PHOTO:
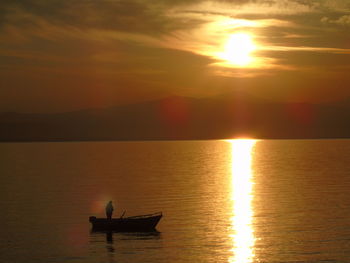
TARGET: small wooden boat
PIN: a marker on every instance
(143, 223)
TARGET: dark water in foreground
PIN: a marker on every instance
(238, 201)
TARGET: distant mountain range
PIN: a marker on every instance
(180, 118)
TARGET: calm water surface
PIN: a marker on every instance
(235, 201)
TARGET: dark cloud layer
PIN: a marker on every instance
(125, 15)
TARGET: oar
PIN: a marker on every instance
(123, 214)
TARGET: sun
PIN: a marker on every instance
(238, 50)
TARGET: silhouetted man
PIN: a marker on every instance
(109, 210)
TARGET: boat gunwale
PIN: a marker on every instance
(93, 219)
(144, 216)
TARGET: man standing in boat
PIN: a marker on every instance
(109, 210)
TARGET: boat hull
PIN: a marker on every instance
(145, 223)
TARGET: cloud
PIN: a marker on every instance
(199, 27)
(310, 49)
(343, 20)
(120, 15)
(244, 8)
(333, 5)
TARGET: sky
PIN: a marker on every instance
(58, 56)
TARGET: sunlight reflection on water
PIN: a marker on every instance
(242, 233)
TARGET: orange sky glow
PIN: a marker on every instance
(70, 55)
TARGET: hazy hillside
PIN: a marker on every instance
(182, 118)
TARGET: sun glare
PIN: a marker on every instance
(238, 49)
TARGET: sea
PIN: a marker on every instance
(235, 201)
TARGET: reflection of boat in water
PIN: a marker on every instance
(141, 223)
